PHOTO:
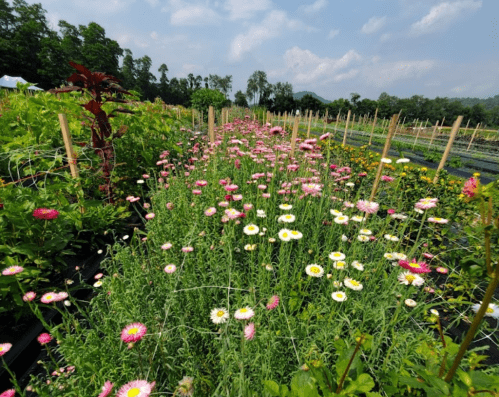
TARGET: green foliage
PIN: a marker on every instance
(205, 97)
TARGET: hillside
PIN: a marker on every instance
(301, 94)
(489, 103)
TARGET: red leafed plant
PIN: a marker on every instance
(101, 87)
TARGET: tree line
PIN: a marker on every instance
(31, 50)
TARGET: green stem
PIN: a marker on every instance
(340, 383)
(13, 378)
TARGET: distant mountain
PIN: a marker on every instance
(301, 94)
(489, 103)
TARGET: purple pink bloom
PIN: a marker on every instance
(44, 213)
(136, 388)
(44, 338)
(471, 187)
(414, 266)
(4, 348)
(29, 296)
(442, 270)
(369, 207)
(249, 331)
(133, 332)
(8, 393)
(273, 302)
(187, 249)
(106, 389)
(10, 271)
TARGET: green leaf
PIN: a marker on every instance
(272, 387)
(362, 384)
(302, 385)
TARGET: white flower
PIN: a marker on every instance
(337, 256)
(385, 160)
(340, 220)
(350, 184)
(403, 160)
(391, 237)
(285, 234)
(125, 237)
(99, 252)
(492, 310)
(337, 284)
(352, 284)
(219, 316)
(418, 211)
(261, 214)
(389, 256)
(340, 265)
(140, 181)
(339, 296)
(434, 312)
(250, 247)
(362, 238)
(286, 218)
(367, 232)
(399, 256)
(285, 207)
(296, 235)
(271, 240)
(358, 218)
(357, 265)
(399, 216)
(336, 213)
(314, 270)
(244, 314)
(67, 303)
(97, 284)
(410, 302)
(344, 238)
(408, 278)
(251, 230)
(269, 267)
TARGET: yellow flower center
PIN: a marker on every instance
(285, 235)
(336, 254)
(49, 297)
(243, 310)
(288, 216)
(315, 270)
(220, 313)
(133, 331)
(354, 283)
(251, 228)
(294, 232)
(489, 310)
(340, 264)
(133, 392)
(1, 348)
(339, 295)
(410, 278)
(413, 264)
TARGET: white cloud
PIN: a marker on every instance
(382, 75)
(442, 15)
(153, 3)
(53, 20)
(154, 35)
(308, 68)
(104, 7)
(272, 26)
(189, 68)
(244, 9)
(333, 33)
(373, 25)
(190, 15)
(384, 37)
(314, 7)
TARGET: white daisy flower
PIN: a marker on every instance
(357, 265)
(399, 256)
(314, 270)
(336, 212)
(337, 284)
(352, 284)
(219, 315)
(410, 302)
(385, 160)
(285, 234)
(244, 314)
(250, 247)
(435, 312)
(340, 265)
(350, 184)
(269, 267)
(339, 296)
(408, 278)
(344, 238)
(358, 218)
(391, 237)
(402, 217)
(363, 238)
(366, 232)
(251, 230)
(296, 235)
(389, 256)
(286, 218)
(337, 256)
(285, 207)
(492, 310)
(340, 220)
(261, 214)
(271, 240)
(97, 284)
(403, 160)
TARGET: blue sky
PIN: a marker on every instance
(332, 47)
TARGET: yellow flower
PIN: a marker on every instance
(406, 167)
(476, 174)
(403, 174)
(424, 169)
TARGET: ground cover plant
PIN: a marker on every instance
(260, 269)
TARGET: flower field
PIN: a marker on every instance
(262, 272)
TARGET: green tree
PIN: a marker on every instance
(71, 46)
(225, 85)
(310, 103)
(163, 81)
(7, 26)
(204, 98)
(257, 83)
(128, 71)
(240, 99)
(145, 79)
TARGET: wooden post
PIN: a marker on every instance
(279, 118)
(211, 122)
(398, 124)
(309, 122)
(192, 111)
(66, 135)
(384, 127)
(453, 133)
(346, 128)
(374, 124)
(473, 136)
(391, 132)
(466, 129)
(294, 135)
(433, 135)
(442, 122)
(353, 125)
(325, 117)
(417, 135)
(336, 124)
(285, 119)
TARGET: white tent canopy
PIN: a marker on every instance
(10, 82)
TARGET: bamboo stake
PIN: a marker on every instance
(374, 124)
(309, 122)
(346, 129)
(466, 129)
(336, 125)
(433, 135)
(417, 135)
(455, 129)
(384, 127)
(285, 119)
(473, 136)
(325, 117)
(353, 125)
(211, 122)
(294, 135)
(279, 119)
(391, 132)
(192, 118)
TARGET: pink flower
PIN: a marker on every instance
(187, 249)
(249, 331)
(369, 207)
(44, 338)
(222, 182)
(49, 297)
(10, 271)
(197, 192)
(425, 204)
(29, 296)
(237, 197)
(150, 215)
(4, 348)
(262, 187)
(247, 206)
(391, 211)
(166, 246)
(210, 211)
(106, 389)
(44, 213)
(414, 266)
(428, 255)
(305, 146)
(237, 163)
(387, 178)
(438, 220)
(362, 174)
(169, 206)
(133, 332)
(326, 135)
(137, 388)
(471, 187)
(170, 269)
(266, 195)
(442, 270)
(201, 183)
(273, 302)
(231, 188)
(8, 393)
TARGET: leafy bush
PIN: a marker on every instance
(205, 97)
